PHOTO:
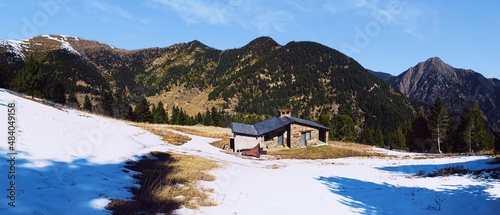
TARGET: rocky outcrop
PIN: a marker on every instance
(433, 78)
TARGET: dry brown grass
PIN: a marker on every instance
(207, 131)
(332, 150)
(164, 133)
(168, 182)
(187, 170)
(191, 168)
(204, 131)
(193, 101)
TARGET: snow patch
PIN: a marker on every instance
(15, 46)
(64, 43)
(99, 204)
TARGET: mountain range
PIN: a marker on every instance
(258, 78)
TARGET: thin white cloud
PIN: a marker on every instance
(414, 31)
(272, 21)
(269, 16)
(193, 11)
(250, 14)
(403, 15)
(110, 9)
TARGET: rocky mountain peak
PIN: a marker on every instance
(457, 87)
(436, 65)
(434, 61)
(432, 74)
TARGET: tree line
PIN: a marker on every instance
(438, 131)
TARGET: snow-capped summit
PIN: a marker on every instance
(16, 47)
(43, 43)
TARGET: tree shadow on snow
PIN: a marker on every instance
(366, 197)
(476, 166)
(51, 187)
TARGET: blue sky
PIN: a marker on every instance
(385, 35)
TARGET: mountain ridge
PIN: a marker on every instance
(433, 78)
(257, 78)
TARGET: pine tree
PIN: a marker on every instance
(159, 114)
(30, 79)
(420, 135)
(174, 119)
(397, 139)
(215, 117)
(106, 102)
(55, 91)
(199, 118)
(438, 122)
(472, 130)
(182, 117)
(207, 118)
(367, 136)
(450, 143)
(87, 105)
(343, 128)
(121, 108)
(379, 137)
(325, 120)
(6, 77)
(142, 112)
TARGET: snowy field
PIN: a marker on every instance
(69, 162)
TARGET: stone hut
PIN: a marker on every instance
(283, 131)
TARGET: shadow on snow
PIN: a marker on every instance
(367, 197)
(72, 188)
(419, 169)
(370, 198)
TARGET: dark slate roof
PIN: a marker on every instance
(246, 129)
(308, 123)
(271, 124)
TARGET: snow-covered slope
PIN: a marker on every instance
(69, 162)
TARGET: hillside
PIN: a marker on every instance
(457, 87)
(257, 78)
